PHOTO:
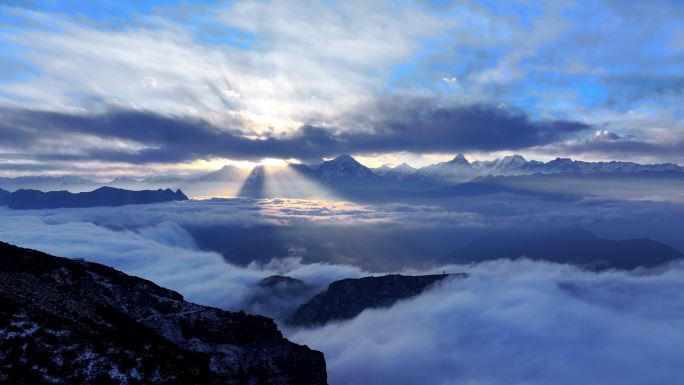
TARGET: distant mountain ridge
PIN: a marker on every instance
(399, 172)
(103, 196)
(455, 170)
(459, 169)
(346, 173)
(343, 169)
(46, 182)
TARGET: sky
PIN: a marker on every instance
(111, 88)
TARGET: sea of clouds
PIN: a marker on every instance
(509, 322)
(519, 322)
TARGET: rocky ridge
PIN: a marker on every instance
(347, 298)
(68, 321)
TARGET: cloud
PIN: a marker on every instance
(372, 237)
(516, 323)
(299, 59)
(395, 124)
(519, 322)
(609, 145)
(265, 69)
(160, 249)
(425, 125)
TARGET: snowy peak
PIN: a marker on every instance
(342, 163)
(254, 185)
(383, 170)
(460, 160)
(512, 161)
(404, 168)
(401, 169)
(454, 171)
(345, 158)
(397, 173)
(225, 173)
(344, 166)
(257, 174)
(508, 164)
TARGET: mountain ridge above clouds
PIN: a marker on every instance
(347, 298)
(68, 321)
(343, 168)
(103, 196)
(347, 173)
(47, 182)
(459, 169)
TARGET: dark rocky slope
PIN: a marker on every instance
(65, 321)
(347, 298)
(103, 196)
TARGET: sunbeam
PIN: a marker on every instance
(279, 180)
(286, 182)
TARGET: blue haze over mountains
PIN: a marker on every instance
(347, 173)
(570, 232)
(511, 200)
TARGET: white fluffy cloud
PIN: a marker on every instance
(162, 251)
(307, 60)
(519, 322)
(516, 323)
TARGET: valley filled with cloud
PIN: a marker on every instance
(520, 321)
(446, 192)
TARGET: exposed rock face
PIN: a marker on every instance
(347, 298)
(103, 196)
(65, 321)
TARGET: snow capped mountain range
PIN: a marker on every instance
(343, 169)
(459, 169)
(397, 173)
(346, 172)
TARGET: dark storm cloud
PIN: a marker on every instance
(396, 124)
(624, 148)
(421, 125)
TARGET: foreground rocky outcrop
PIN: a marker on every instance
(103, 196)
(65, 321)
(347, 298)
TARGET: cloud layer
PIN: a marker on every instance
(516, 323)
(320, 78)
(396, 124)
(519, 322)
